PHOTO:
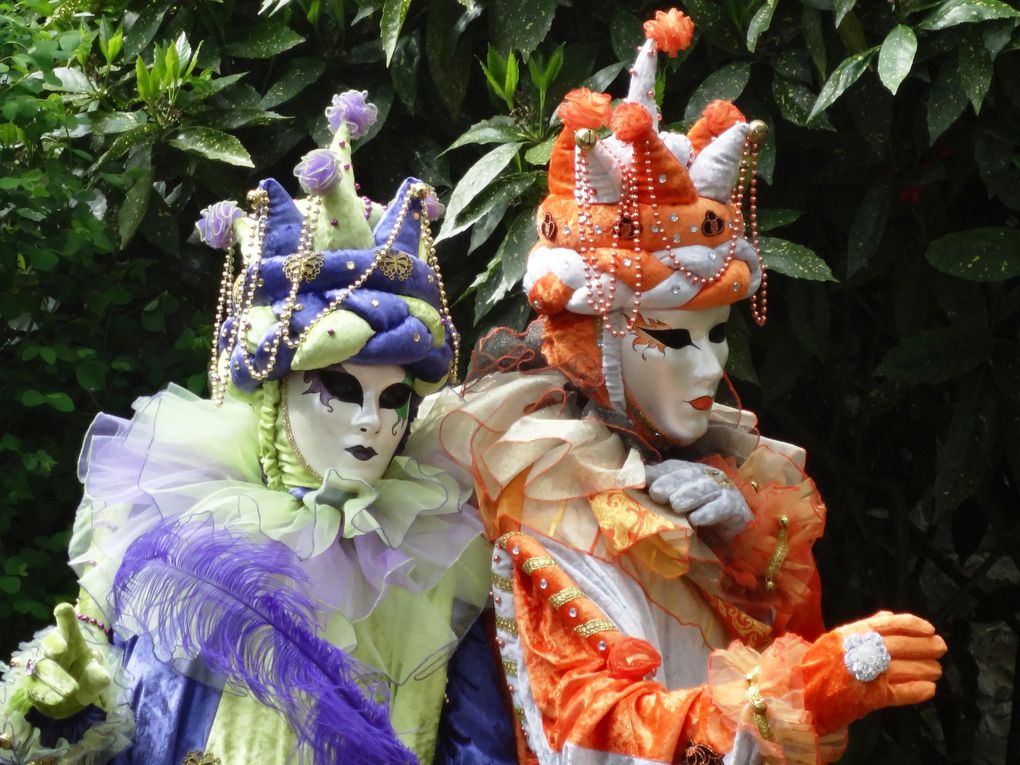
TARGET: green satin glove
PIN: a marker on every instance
(67, 676)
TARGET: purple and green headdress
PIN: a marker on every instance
(329, 278)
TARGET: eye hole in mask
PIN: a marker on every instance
(342, 386)
(395, 397)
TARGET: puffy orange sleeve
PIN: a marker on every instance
(585, 684)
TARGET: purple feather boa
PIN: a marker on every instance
(238, 605)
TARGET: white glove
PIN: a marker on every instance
(704, 494)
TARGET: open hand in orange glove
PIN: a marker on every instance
(886, 660)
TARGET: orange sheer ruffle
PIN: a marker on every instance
(718, 117)
(763, 694)
(583, 108)
(672, 31)
(774, 550)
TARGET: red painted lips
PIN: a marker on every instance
(702, 403)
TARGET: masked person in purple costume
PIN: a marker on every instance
(260, 575)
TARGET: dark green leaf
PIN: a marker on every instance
(474, 181)
(946, 101)
(144, 28)
(726, 83)
(70, 80)
(760, 22)
(739, 364)
(10, 584)
(91, 374)
(512, 257)
(842, 8)
(897, 56)
(603, 78)
(814, 38)
(935, 356)
(300, 73)
(160, 226)
(212, 144)
(625, 33)
(393, 15)
(448, 55)
(795, 100)
(404, 69)
(967, 455)
(520, 24)
(136, 202)
(773, 219)
(953, 12)
(263, 40)
(499, 193)
(843, 76)
(794, 260)
(974, 67)
(105, 123)
(980, 254)
(810, 317)
(540, 153)
(868, 225)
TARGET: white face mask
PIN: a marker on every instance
(348, 418)
(672, 363)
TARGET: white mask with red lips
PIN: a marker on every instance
(671, 365)
(349, 417)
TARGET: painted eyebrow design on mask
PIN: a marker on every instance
(670, 338)
(334, 384)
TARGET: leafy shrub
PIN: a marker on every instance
(890, 209)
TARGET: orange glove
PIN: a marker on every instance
(835, 697)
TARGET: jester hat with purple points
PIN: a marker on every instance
(330, 277)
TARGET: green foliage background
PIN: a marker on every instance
(891, 202)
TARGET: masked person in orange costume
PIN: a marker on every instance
(655, 595)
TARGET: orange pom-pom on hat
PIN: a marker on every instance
(631, 122)
(672, 31)
(582, 108)
(718, 117)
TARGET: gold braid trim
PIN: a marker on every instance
(594, 626)
(565, 595)
(534, 564)
(503, 583)
(758, 705)
(509, 668)
(508, 626)
(502, 539)
(779, 554)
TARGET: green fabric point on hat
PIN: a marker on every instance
(343, 205)
(428, 316)
(334, 339)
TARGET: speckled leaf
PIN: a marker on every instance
(160, 226)
(393, 14)
(953, 12)
(136, 202)
(760, 22)
(726, 83)
(794, 260)
(448, 53)
(777, 218)
(897, 56)
(946, 101)
(975, 66)
(499, 129)
(474, 181)
(604, 77)
(843, 76)
(301, 73)
(868, 225)
(520, 24)
(404, 69)
(263, 40)
(980, 254)
(740, 364)
(107, 123)
(540, 153)
(499, 193)
(795, 100)
(144, 29)
(625, 34)
(512, 256)
(814, 38)
(842, 8)
(212, 144)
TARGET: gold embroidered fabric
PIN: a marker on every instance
(502, 583)
(507, 625)
(534, 564)
(509, 668)
(594, 626)
(565, 595)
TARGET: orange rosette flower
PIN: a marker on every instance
(672, 31)
(630, 122)
(632, 658)
(582, 108)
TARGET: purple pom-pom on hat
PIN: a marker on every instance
(434, 209)
(215, 227)
(352, 107)
(318, 172)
